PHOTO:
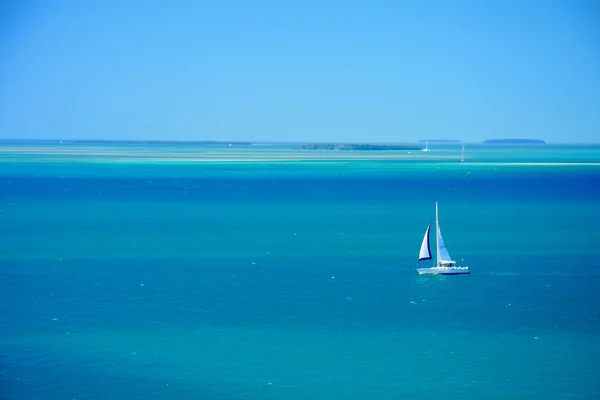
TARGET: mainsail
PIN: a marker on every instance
(425, 253)
(443, 254)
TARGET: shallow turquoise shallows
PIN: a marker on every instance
(271, 279)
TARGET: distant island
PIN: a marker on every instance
(439, 141)
(346, 146)
(514, 141)
(196, 142)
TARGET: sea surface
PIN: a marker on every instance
(265, 272)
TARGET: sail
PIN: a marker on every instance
(425, 253)
(443, 254)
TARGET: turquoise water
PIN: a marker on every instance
(295, 280)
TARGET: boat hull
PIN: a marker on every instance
(444, 271)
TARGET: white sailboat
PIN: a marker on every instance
(462, 155)
(444, 265)
(426, 146)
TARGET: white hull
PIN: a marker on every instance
(443, 271)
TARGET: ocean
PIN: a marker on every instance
(265, 272)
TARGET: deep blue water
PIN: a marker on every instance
(297, 280)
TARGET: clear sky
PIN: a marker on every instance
(310, 70)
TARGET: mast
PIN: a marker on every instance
(437, 234)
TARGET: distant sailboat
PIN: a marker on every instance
(443, 262)
(426, 146)
(462, 155)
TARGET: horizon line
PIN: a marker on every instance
(443, 141)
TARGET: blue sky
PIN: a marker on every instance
(371, 71)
